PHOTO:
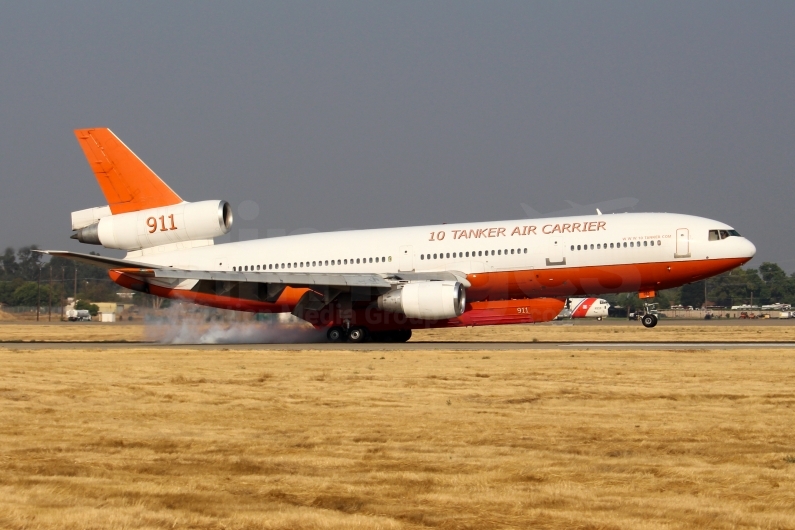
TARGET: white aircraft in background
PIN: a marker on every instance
(380, 284)
(624, 203)
(585, 308)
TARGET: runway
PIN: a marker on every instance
(409, 346)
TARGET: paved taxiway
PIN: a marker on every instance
(411, 346)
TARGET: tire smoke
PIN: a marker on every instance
(176, 325)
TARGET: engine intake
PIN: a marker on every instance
(188, 221)
(426, 300)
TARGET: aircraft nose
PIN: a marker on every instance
(748, 249)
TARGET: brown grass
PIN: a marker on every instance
(617, 331)
(149, 438)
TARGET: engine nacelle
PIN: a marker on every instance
(426, 300)
(187, 221)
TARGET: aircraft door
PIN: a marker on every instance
(555, 252)
(406, 259)
(682, 243)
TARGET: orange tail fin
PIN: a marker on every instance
(127, 183)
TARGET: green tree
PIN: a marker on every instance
(9, 260)
(93, 309)
(692, 294)
(28, 263)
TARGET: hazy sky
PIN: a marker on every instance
(339, 114)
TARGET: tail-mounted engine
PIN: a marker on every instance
(428, 300)
(187, 221)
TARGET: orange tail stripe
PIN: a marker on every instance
(127, 183)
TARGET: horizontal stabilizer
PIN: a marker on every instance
(97, 261)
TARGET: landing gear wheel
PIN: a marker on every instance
(335, 334)
(649, 321)
(403, 335)
(357, 334)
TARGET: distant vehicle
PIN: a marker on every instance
(748, 314)
(584, 308)
(776, 307)
(78, 315)
(786, 314)
(744, 307)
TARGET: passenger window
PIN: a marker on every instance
(346, 262)
(645, 243)
(525, 251)
(492, 252)
(376, 259)
(422, 256)
(467, 254)
(625, 244)
(511, 251)
(499, 252)
(572, 247)
(448, 255)
(598, 246)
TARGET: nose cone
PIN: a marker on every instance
(747, 249)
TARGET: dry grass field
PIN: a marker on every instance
(617, 331)
(178, 438)
(608, 331)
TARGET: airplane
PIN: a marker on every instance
(379, 284)
(585, 308)
(612, 205)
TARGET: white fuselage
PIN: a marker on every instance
(586, 241)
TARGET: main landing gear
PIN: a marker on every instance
(356, 334)
(649, 321)
(649, 318)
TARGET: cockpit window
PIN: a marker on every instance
(715, 235)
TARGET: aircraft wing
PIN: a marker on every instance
(308, 279)
(292, 279)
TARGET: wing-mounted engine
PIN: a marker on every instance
(430, 300)
(154, 227)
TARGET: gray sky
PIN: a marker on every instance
(339, 114)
